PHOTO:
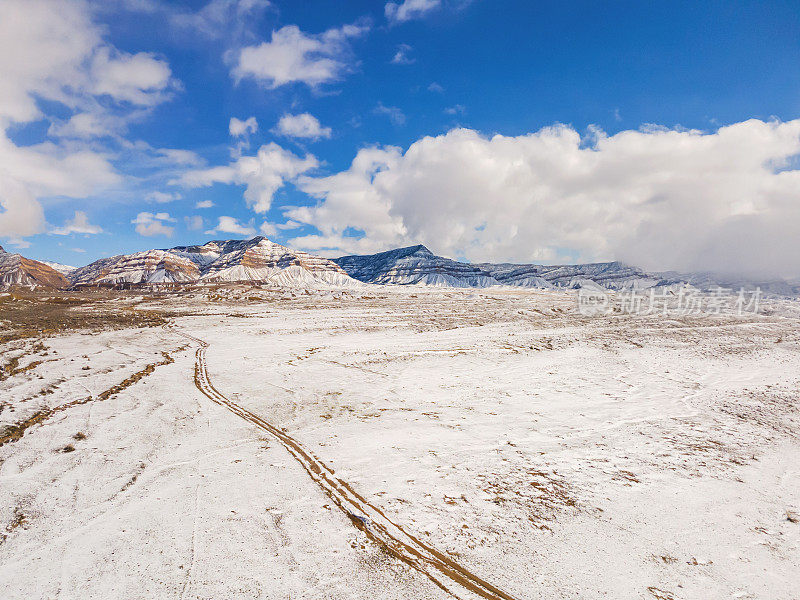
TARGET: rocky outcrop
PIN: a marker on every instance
(418, 265)
(255, 260)
(152, 266)
(415, 265)
(16, 270)
(610, 275)
(262, 260)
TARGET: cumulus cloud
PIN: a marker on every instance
(660, 198)
(238, 128)
(140, 79)
(204, 204)
(232, 225)
(409, 9)
(262, 174)
(303, 125)
(20, 214)
(294, 56)
(28, 173)
(51, 50)
(151, 225)
(78, 224)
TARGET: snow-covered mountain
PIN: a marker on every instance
(414, 265)
(63, 269)
(151, 266)
(254, 260)
(418, 265)
(260, 260)
(16, 270)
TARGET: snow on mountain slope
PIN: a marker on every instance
(610, 275)
(16, 270)
(151, 266)
(63, 269)
(260, 259)
(254, 260)
(414, 265)
(418, 265)
(517, 275)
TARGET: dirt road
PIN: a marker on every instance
(437, 566)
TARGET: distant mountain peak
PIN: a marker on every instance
(419, 249)
(2, 250)
(257, 259)
(16, 270)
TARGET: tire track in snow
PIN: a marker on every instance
(437, 566)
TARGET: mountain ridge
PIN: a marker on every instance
(254, 260)
(260, 260)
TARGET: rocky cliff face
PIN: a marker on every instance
(260, 259)
(255, 260)
(16, 270)
(414, 265)
(152, 266)
(418, 265)
(610, 275)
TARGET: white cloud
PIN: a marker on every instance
(238, 128)
(289, 225)
(51, 50)
(140, 79)
(263, 174)
(293, 56)
(204, 204)
(150, 225)
(87, 125)
(41, 170)
(303, 125)
(268, 229)
(180, 157)
(435, 87)
(78, 224)
(401, 57)
(396, 115)
(231, 225)
(221, 18)
(194, 222)
(163, 197)
(409, 9)
(660, 198)
(20, 214)
(19, 243)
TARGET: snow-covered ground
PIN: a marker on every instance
(549, 454)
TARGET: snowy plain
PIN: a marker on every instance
(551, 454)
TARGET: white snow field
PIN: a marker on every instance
(402, 443)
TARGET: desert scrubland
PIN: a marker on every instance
(230, 442)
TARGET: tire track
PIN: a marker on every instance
(15, 431)
(437, 566)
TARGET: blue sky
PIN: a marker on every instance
(582, 89)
